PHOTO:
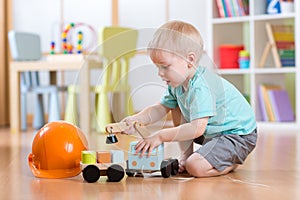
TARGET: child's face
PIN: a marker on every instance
(174, 70)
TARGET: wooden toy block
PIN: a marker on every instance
(88, 157)
(103, 157)
(117, 156)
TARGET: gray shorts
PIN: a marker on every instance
(226, 150)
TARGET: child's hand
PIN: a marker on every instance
(130, 123)
(147, 145)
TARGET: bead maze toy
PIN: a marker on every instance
(112, 164)
(67, 40)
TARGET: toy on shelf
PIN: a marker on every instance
(112, 164)
(271, 45)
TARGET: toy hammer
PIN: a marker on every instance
(113, 128)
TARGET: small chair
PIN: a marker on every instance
(117, 45)
(26, 46)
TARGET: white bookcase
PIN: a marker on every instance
(250, 31)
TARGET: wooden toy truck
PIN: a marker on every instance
(112, 163)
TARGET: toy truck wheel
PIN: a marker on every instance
(130, 173)
(115, 173)
(174, 166)
(91, 173)
(166, 168)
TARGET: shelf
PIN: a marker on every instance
(233, 71)
(230, 20)
(275, 70)
(273, 17)
(265, 17)
(283, 70)
(250, 31)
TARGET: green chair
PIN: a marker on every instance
(117, 45)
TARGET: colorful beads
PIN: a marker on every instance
(67, 46)
(79, 42)
(52, 49)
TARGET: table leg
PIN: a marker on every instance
(85, 99)
(14, 98)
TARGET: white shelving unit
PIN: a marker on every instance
(250, 31)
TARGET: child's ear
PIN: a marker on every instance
(191, 58)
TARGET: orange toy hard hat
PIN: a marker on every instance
(56, 150)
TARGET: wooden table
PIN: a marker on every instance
(53, 64)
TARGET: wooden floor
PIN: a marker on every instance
(271, 172)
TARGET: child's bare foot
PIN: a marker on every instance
(181, 168)
(182, 161)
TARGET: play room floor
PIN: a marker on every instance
(271, 172)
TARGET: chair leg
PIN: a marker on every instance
(93, 114)
(71, 114)
(122, 105)
(128, 104)
(102, 109)
(117, 107)
(23, 112)
(54, 109)
(38, 117)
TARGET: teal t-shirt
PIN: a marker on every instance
(209, 95)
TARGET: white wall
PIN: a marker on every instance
(44, 19)
(147, 16)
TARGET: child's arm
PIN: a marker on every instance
(187, 131)
(147, 116)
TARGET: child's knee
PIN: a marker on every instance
(197, 166)
(195, 170)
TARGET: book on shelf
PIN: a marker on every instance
(275, 104)
(232, 8)
(285, 44)
(220, 8)
(281, 105)
(265, 103)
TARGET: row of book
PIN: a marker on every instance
(281, 39)
(275, 104)
(232, 8)
(285, 43)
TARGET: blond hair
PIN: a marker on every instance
(178, 38)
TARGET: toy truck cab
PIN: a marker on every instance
(145, 163)
(154, 162)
